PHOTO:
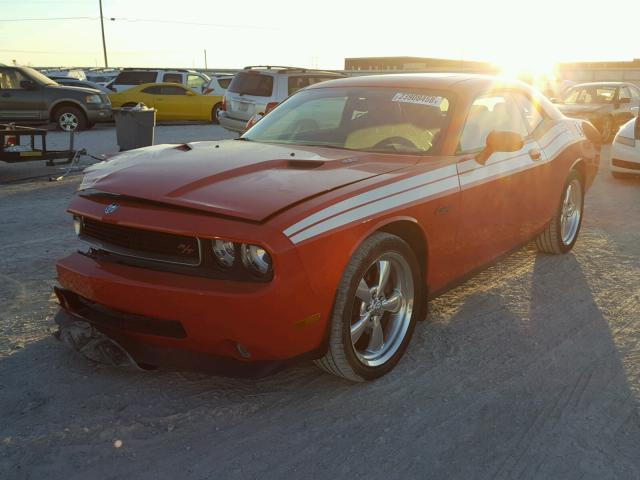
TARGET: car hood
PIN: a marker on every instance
(582, 109)
(248, 180)
(68, 88)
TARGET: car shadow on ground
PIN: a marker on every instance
(519, 373)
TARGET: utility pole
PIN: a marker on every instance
(104, 44)
(205, 59)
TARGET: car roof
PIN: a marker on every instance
(604, 84)
(436, 81)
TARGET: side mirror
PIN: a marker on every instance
(499, 141)
(553, 100)
(634, 111)
(28, 84)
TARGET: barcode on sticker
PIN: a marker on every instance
(416, 98)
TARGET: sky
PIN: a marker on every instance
(512, 34)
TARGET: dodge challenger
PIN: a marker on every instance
(321, 232)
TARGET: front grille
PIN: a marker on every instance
(623, 164)
(144, 244)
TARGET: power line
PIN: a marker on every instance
(137, 20)
(45, 19)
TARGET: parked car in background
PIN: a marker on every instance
(625, 151)
(607, 105)
(102, 77)
(131, 77)
(74, 82)
(217, 87)
(321, 232)
(258, 89)
(173, 101)
(27, 95)
(76, 73)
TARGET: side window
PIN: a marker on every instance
(173, 90)
(195, 81)
(172, 78)
(635, 93)
(532, 115)
(296, 83)
(224, 82)
(624, 93)
(155, 90)
(10, 79)
(135, 78)
(488, 113)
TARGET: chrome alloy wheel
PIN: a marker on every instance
(571, 211)
(382, 309)
(68, 121)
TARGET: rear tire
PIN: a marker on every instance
(562, 232)
(70, 119)
(214, 113)
(377, 304)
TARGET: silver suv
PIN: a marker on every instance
(258, 89)
(131, 77)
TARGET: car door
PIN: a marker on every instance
(178, 103)
(18, 102)
(495, 196)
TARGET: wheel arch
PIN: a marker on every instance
(409, 230)
(580, 166)
(65, 103)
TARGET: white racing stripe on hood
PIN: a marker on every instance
(365, 211)
(375, 194)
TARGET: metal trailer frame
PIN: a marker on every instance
(17, 131)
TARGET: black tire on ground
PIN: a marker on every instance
(341, 359)
(550, 240)
(69, 118)
(214, 113)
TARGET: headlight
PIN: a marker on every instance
(225, 253)
(93, 99)
(77, 225)
(626, 141)
(256, 259)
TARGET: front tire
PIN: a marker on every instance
(377, 304)
(70, 119)
(562, 232)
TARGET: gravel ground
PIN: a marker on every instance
(529, 370)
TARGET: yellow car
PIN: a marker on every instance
(172, 101)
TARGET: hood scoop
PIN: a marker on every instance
(304, 164)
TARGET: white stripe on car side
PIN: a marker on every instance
(420, 193)
(375, 194)
(430, 185)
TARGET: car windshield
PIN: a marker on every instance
(596, 94)
(39, 77)
(387, 120)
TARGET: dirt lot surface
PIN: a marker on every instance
(529, 370)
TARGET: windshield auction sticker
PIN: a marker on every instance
(417, 99)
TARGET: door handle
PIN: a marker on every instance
(535, 154)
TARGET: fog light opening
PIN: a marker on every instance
(242, 350)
